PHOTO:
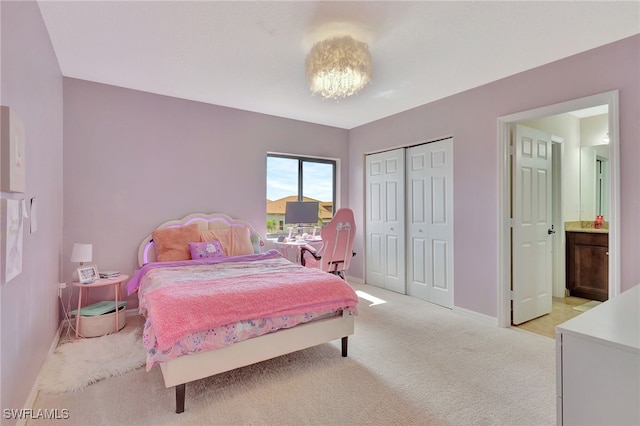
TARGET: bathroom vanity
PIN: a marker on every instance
(587, 263)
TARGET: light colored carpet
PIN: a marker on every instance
(586, 306)
(410, 363)
(75, 365)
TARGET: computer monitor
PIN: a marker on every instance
(301, 212)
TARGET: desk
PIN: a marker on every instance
(100, 283)
(291, 249)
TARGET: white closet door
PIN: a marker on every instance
(429, 170)
(374, 273)
(385, 227)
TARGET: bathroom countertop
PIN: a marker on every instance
(585, 226)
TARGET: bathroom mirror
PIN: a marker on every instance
(594, 182)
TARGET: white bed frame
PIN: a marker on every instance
(178, 372)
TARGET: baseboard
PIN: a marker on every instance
(132, 312)
(486, 319)
(31, 399)
(476, 316)
(349, 278)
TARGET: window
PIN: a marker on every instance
(291, 178)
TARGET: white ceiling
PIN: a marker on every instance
(250, 55)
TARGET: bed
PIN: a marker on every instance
(223, 302)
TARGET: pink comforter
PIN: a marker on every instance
(190, 306)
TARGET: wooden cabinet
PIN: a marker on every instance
(588, 265)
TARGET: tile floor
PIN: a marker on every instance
(562, 310)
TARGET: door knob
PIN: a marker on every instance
(551, 230)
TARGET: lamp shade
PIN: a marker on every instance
(81, 253)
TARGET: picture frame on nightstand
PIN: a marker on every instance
(88, 274)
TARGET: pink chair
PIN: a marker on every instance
(337, 245)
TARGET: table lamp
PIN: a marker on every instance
(81, 253)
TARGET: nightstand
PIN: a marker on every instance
(84, 288)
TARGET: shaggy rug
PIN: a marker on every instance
(75, 365)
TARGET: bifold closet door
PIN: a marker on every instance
(429, 223)
(385, 227)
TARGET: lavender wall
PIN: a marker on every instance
(471, 118)
(31, 84)
(133, 160)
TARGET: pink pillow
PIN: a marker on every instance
(235, 241)
(173, 243)
(206, 249)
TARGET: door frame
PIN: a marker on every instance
(504, 192)
(559, 271)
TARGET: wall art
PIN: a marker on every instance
(12, 234)
(12, 151)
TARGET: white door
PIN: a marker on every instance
(385, 238)
(532, 224)
(430, 222)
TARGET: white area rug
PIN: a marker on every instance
(586, 306)
(75, 365)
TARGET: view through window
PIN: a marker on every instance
(291, 178)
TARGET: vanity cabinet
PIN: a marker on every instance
(588, 265)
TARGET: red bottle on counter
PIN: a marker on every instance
(597, 224)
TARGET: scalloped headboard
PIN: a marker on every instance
(147, 252)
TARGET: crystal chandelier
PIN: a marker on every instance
(338, 67)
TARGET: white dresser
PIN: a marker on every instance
(598, 364)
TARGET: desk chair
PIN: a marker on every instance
(337, 245)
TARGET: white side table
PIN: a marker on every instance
(99, 283)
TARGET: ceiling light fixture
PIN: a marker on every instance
(338, 67)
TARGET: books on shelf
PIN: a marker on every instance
(109, 274)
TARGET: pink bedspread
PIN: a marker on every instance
(206, 301)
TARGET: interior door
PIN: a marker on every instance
(385, 250)
(430, 222)
(532, 224)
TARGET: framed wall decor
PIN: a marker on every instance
(11, 224)
(12, 151)
(88, 274)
